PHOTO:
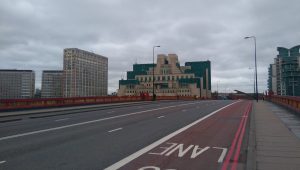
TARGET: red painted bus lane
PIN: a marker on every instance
(237, 142)
(202, 146)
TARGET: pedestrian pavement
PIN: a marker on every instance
(272, 142)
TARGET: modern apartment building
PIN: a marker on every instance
(85, 73)
(272, 81)
(52, 81)
(17, 84)
(170, 79)
(284, 74)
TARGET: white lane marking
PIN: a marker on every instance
(115, 130)
(2, 162)
(160, 117)
(224, 151)
(183, 110)
(153, 168)
(135, 155)
(87, 122)
(58, 120)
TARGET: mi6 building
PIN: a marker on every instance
(85, 73)
(17, 84)
(170, 79)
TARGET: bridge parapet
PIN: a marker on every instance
(13, 104)
(291, 102)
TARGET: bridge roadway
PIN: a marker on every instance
(151, 135)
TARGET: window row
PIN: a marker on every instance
(163, 78)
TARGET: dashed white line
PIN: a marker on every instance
(160, 117)
(2, 162)
(87, 122)
(115, 130)
(59, 120)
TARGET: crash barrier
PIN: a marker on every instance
(9, 104)
(13, 104)
(290, 102)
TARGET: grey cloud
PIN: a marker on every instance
(35, 32)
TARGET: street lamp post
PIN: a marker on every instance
(218, 87)
(153, 94)
(254, 92)
(254, 38)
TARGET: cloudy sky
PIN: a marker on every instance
(33, 34)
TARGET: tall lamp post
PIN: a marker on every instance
(153, 94)
(254, 92)
(254, 38)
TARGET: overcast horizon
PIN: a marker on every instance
(35, 32)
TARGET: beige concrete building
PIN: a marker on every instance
(17, 84)
(85, 73)
(170, 79)
(52, 81)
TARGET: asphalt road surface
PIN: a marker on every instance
(123, 137)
